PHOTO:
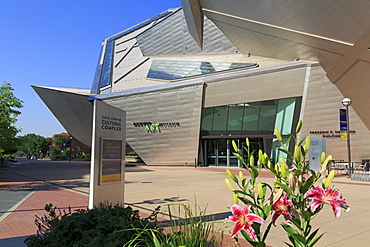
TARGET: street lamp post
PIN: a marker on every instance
(347, 102)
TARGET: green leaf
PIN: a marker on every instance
(266, 231)
(248, 238)
(306, 185)
(306, 215)
(285, 188)
(289, 229)
(316, 240)
(240, 158)
(285, 151)
(155, 240)
(288, 244)
(312, 235)
(300, 238)
(254, 173)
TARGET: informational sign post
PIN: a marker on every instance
(318, 145)
(343, 123)
(107, 155)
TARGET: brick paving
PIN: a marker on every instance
(21, 221)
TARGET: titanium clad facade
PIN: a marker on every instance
(72, 109)
(320, 113)
(163, 126)
(195, 78)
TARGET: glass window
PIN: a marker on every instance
(235, 119)
(206, 124)
(250, 118)
(107, 65)
(266, 122)
(172, 70)
(284, 115)
(219, 120)
(275, 153)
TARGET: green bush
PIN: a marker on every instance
(109, 226)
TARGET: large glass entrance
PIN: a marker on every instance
(219, 152)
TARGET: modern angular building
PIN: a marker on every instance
(193, 79)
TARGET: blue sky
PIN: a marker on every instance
(57, 43)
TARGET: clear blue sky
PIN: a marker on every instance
(57, 43)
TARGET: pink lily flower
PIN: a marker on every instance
(327, 196)
(281, 207)
(243, 220)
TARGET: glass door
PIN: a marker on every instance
(255, 145)
(222, 155)
(219, 152)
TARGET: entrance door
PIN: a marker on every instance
(219, 152)
(255, 145)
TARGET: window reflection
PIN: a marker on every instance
(254, 118)
(172, 70)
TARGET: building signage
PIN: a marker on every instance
(156, 128)
(318, 145)
(330, 133)
(111, 161)
(343, 123)
(111, 123)
(107, 155)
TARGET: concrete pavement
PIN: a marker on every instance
(148, 187)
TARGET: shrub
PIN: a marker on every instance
(108, 226)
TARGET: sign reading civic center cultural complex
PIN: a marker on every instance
(107, 155)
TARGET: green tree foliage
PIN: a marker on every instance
(9, 105)
(59, 146)
(32, 145)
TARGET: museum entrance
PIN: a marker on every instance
(219, 152)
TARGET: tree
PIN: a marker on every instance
(32, 145)
(60, 146)
(9, 105)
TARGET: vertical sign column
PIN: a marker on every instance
(343, 124)
(107, 155)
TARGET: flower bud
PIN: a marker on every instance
(278, 135)
(228, 183)
(231, 175)
(299, 126)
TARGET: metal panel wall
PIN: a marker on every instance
(173, 144)
(171, 37)
(275, 82)
(72, 109)
(321, 113)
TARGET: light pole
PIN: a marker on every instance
(347, 102)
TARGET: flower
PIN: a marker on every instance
(327, 196)
(243, 220)
(281, 207)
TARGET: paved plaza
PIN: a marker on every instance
(26, 186)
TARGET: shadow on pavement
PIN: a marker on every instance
(13, 242)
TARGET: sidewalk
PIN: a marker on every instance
(148, 187)
(19, 221)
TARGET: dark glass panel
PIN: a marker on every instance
(211, 152)
(267, 117)
(235, 119)
(250, 118)
(219, 120)
(222, 152)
